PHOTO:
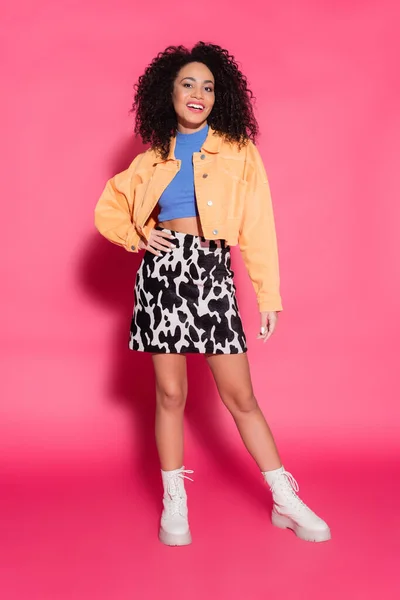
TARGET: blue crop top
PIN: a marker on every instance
(178, 199)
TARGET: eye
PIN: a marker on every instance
(209, 89)
(187, 83)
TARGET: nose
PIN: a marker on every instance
(197, 93)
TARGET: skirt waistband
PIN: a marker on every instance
(189, 240)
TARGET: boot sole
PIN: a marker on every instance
(175, 539)
(304, 534)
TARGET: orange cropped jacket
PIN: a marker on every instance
(233, 199)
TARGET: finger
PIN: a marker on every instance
(155, 244)
(152, 250)
(161, 242)
(163, 233)
(271, 329)
(161, 238)
(263, 325)
(268, 335)
(268, 323)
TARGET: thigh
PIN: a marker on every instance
(232, 376)
(171, 373)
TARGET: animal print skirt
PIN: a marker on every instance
(185, 300)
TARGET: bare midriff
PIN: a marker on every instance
(190, 225)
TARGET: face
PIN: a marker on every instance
(193, 96)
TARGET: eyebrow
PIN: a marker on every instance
(193, 79)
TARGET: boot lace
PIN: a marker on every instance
(176, 504)
(290, 484)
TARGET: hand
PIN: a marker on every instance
(158, 240)
(269, 320)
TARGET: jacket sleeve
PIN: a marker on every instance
(113, 214)
(257, 235)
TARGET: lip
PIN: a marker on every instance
(194, 110)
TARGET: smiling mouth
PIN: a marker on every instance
(195, 107)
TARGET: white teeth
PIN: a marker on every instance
(196, 106)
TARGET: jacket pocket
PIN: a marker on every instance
(235, 190)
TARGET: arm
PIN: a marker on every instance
(257, 235)
(114, 210)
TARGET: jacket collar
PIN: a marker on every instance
(212, 144)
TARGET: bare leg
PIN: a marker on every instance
(171, 394)
(232, 377)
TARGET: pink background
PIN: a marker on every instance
(81, 491)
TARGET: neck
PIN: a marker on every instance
(190, 128)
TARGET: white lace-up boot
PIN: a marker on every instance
(174, 528)
(290, 512)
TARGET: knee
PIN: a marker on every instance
(241, 403)
(172, 399)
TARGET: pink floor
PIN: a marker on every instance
(79, 537)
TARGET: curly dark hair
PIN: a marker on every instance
(232, 114)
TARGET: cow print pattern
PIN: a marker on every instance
(185, 300)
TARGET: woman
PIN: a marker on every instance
(200, 188)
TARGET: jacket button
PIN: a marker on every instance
(215, 231)
(202, 156)
(205, 175)
(133, 247)
(209, 203)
